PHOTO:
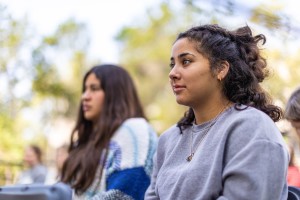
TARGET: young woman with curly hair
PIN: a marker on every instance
(226, 146)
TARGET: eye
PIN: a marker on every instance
(186, 62)
(172, 65)
(95, 88)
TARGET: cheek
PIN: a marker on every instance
(100, 101)
(296, 124)
(202, 83)
(298, 130)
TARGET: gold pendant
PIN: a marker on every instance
(190, 157)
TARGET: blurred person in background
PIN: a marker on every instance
(293, 176)
(112, 144)
(54, 173)
(36, 172)
(292, 114)
(292, 110)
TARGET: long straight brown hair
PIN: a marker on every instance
(89, 141)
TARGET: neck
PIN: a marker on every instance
(210, 110)
(32, 165)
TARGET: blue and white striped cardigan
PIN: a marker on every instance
(128, 165)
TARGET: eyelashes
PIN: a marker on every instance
(92, 88)
(171, 65)
(184, 63)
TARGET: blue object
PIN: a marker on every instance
(133, 182)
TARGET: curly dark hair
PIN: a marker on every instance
(246, 71)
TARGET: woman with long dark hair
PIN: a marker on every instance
(226, 146)
(112, 144)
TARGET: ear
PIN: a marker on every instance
(222, 71)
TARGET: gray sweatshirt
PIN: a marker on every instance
(242, 157)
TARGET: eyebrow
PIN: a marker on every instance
(93, 85)
(182, 55)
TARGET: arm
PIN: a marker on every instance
(125, 184)
(158, 160)
(257, 171)
(129, 163)
(150, 193)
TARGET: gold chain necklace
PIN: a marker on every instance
(190, 157)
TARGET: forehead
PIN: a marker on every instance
(29, 151)
(183, 45)
(92, 79)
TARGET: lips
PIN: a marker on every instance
(178, 88)
(86, 108)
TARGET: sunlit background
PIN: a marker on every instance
(47, 46)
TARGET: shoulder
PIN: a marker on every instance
(167, 139)
(132, 122)
(250, 114)
(133, 143)
(253, 122)
(251, 131)
(250, 125)
(134, 130)
(171, 133)
(134, 125)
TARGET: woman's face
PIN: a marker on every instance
(92, 98)
(296, 125)
(191, 78)
(30, 157)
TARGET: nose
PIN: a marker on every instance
(174, 74)
(85, 95)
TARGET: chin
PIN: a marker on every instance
(88, 118)
(182, 102)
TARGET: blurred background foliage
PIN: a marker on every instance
(40, 75)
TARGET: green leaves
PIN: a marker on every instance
(146, 46)
(52, 66)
